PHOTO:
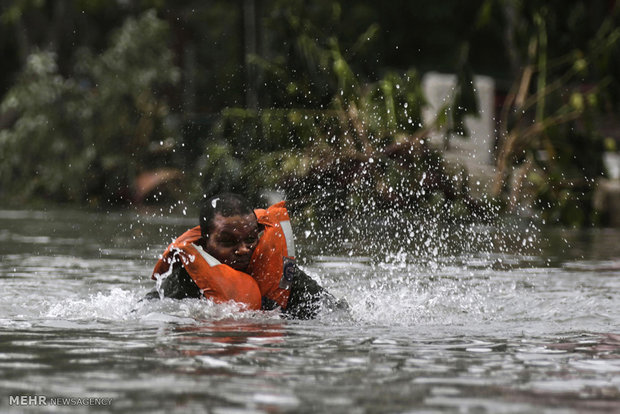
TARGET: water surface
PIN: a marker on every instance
(473, 319)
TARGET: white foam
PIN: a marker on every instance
(125, 305)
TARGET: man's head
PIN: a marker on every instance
(229, 228)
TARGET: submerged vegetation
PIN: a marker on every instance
(318, 101)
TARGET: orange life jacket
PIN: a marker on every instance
(271, 266)
(216, 281)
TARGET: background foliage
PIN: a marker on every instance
(83, 138)
(319, 99)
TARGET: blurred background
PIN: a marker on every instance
(465, 110)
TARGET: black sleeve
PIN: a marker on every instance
(308, 298)
(178, 285)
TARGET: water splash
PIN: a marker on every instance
(118, 304)
(128, 305)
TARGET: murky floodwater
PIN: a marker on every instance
(474, 320)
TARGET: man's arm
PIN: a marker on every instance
(178, 285)
(308, 298)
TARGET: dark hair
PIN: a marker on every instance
(226, 205)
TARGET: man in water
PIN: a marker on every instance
(231, 233)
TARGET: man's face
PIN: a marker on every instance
(233, 240)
